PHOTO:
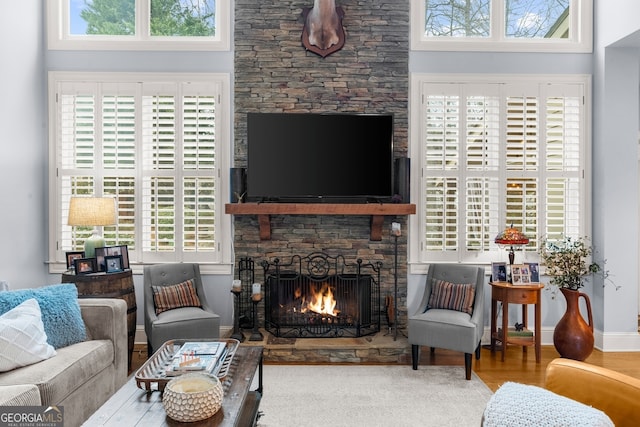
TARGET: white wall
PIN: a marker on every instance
(615, 195)
(615, 69)
(500, 63)
(22, 140)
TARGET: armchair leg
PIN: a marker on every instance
(467, 365)
(415, 355)
(478, 348)
(149, 350)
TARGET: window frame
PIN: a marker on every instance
(58, 36)
(218, 261)
(579, 42)
(419, 259)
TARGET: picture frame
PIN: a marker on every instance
(71, 256)
(85, 265)
(106, 251)
(123, 251)
(520, 274)
(100, 254)
(498, 271)
(534, 271)
(113, 263)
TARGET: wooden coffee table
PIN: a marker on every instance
(132, 406)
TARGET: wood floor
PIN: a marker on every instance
(522, 367)
(518, 366)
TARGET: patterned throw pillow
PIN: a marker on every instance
(22, 337)
(452, 296)
(175, 296)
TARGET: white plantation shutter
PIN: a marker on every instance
(495, 154)
(151, 145)
(159, 211)
(160, 174)
(198, 225)
(563, 156)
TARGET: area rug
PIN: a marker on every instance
(370, 395)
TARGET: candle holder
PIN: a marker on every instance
(237, 333)
(256, 335)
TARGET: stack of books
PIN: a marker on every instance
(206, 357)
(511, 332)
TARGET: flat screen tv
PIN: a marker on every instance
(306, 157)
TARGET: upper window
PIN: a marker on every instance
(512, 151)
(157, 144)
(502, 25)
(138, 24)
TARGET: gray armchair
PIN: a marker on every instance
(187, 322)
(444, 327)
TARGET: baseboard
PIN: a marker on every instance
(617, 341)
(141, 337)
(605, 342)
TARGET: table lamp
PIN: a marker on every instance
(92, 211)
(511, 237)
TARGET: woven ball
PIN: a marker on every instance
(192, 397)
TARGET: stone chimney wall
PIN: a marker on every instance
(275, 73)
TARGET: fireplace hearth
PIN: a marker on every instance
(321, 296)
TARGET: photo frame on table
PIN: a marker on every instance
(106, 251)
(520, 274)
(498, 271)
(85, 265)
(113, 263)
(534, 271)
(71, 256)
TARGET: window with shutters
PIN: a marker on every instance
(493, 152)
(139, 25)
(502, 25)
(156, 144)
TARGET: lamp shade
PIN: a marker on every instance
(511, 236)
(92, 211)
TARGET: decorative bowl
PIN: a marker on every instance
(192, 397)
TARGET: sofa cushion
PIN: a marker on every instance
(175, 296)
(452, 296)
(516, 404)
(19, 395)
(60, 311)
(22, 338)
(59, 376)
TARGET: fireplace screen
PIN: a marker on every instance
(321, 296)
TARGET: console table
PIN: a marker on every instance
(515, 294)
(377, 211)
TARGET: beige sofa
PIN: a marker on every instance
(82, 376)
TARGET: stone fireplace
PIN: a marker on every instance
(274, 73)
(321, 296)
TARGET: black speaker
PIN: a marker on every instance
(401, 180)
(238, 184)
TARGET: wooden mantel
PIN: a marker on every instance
(263, 210)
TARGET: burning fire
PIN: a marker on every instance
(321, 302)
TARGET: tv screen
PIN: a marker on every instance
(319, 157)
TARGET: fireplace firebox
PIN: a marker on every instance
(321, 296)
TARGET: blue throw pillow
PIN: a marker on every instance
(61, 315)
